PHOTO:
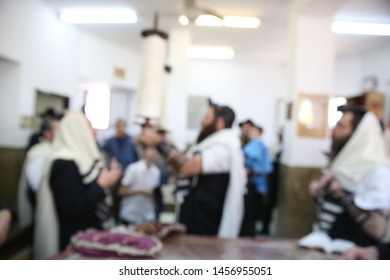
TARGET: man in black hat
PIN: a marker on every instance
(245, 127)
(214, 204)
(48, 116)
(33, 169)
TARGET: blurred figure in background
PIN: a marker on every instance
(138, 183)
(49, 115)
(258, 165)
(165, 172)
(273, 183)
(245, 127)
(73, 195)
(33, 170)
(121, 147)
(387, 140)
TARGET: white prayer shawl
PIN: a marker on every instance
(74, 141)
(25, 210)
(233, 208)
(363, 152)
(387, 140)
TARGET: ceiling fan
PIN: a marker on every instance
(192, 12)
(202, 16)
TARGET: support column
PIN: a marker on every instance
(311, 73)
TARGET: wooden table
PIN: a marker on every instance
(190, 247)
(17, 239)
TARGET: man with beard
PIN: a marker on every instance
(214, 204)
(353, 194)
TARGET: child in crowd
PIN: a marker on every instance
(138, 183)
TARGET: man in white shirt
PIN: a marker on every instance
(215, 202)
(33, 171)
(138, 183)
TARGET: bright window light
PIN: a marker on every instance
(97, 105)
(210, 53)
(334, 115)
(98, 16)
(208, 20)
(241, 22)
(306, 113)
(361, 28)
(183, 20)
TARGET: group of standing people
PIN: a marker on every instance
(228, 181)
(80, 183)
(137, 196)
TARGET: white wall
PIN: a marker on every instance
(351, 70)
(312, 68)
(97, 58)
(348, 74)
(54, 57)
(9, 81)
(251, 88)
(31, 35)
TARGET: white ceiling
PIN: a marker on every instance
(267, 42)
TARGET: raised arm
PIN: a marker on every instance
(183, 164)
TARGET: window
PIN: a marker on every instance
(312, 115)
(333, 114)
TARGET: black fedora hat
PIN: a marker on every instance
(248, 121)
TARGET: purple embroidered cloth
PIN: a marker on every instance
(103, 243)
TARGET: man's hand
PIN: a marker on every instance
(316, 186)
(5, 221)
(108, 177)
(335, 190)
(150, 137)
(360, 253)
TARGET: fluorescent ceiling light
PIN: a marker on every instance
(241, 22)
(208, 20)
(98, 16)
(183, 20)
(361, 28)
(210, 53)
